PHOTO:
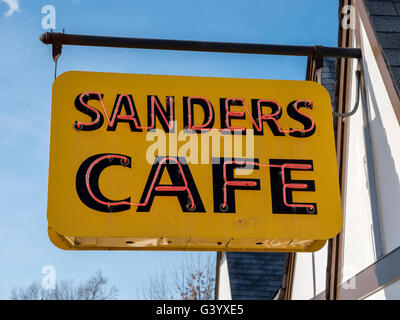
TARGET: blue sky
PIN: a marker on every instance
(26, 77)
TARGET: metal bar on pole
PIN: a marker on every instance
(205, 46)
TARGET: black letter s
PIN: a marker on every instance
(96, 116)
(305, 120)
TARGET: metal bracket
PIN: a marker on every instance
(318, 60)
(319, 57)
(57, 49)
(57, 42)
(359, 87)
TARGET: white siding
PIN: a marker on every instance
(358, 241)
(302, 287)
(385, 132)
(321, 258)
(359, 251)
(306, 271)
(391, 292)
(224, 289)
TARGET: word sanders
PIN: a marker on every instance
(166, 115)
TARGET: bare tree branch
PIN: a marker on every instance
(192, 277)
(93, 289)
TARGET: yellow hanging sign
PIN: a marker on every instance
(191, 163)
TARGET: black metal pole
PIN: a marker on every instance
(184, 45)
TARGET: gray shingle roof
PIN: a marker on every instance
(255, 275)
(328, 77)
(385, 17)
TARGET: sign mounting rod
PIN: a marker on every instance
(59, 39)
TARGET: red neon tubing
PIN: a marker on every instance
(252, 183)
(158, 188)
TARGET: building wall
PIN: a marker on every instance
(358, 240)
(385, 136)
(391, 292)
(360, 245)
(309, 274)
(224, 289)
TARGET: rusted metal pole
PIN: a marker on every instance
(59, 39)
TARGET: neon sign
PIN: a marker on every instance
(282, 196)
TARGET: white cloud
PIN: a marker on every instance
(13, 6)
